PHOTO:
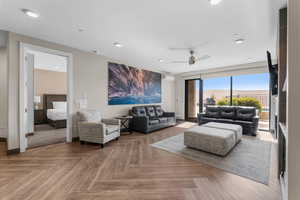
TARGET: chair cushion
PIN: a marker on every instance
(111, 128)
(150, 111)
(89, 115)
(212, 111)
(159, 111)
(227, 112)
(245, 113)
(153, 122)
(139, 111)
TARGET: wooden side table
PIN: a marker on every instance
(125, 123)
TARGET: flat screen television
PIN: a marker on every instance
(273, 69)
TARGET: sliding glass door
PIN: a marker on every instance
(241, 90)
(215, 90)
(253, 88)
(192, 99)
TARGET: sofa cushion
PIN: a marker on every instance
(150, 111)
(242, 122)
(208, 119)
(212, 111)
(163, 120)
(159, 111)
(223, 120)
(171, 119)
(153, 121)
(227, 112)
(139, 111)
(245, 113)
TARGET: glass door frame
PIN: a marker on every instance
(186, 106)
(201, 84)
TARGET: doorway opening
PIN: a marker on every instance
(45, 96)
(193, 99)
(49, 99)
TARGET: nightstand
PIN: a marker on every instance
(39, 117)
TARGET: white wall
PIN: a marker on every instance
(3, 85)
(180, 97)
(293, 100)
(93, 80)
(90, 77)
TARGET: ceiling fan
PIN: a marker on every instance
(193, 59)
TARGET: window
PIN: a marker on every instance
(215, 90)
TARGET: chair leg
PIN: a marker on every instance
(117, 138)
(102, 146)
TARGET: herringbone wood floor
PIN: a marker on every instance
(125, 169)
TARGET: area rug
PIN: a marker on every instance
(250, 158)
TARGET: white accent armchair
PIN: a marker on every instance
(93, 129)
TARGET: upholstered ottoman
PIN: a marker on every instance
(237, 129)
(212, 140)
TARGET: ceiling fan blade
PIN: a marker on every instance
(179, 48)
(178, 62)
(200, 45)
(203, 57)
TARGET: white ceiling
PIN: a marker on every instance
(148, 28)
(49, 62)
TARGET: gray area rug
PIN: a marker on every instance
(250, 158)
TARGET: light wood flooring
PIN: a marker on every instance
(127, 169)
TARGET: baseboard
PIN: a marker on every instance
(13, 152)
(3, 139)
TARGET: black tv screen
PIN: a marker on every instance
(273, 69)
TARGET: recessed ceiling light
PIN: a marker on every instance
(117, 44)
(30, 13)
(239, 41)
(161, 60)
(214, 2)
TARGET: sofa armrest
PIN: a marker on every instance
(169, 114)
(255, 119)
(139, 123)
(91, 128)
(111, 121)
(200, 116)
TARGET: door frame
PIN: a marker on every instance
(24, 48)
(186, 107)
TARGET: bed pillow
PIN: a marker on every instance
(60, 105)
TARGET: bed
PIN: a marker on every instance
(55, 110)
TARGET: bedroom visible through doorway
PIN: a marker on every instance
(47, 99)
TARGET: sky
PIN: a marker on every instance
(242, 82)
